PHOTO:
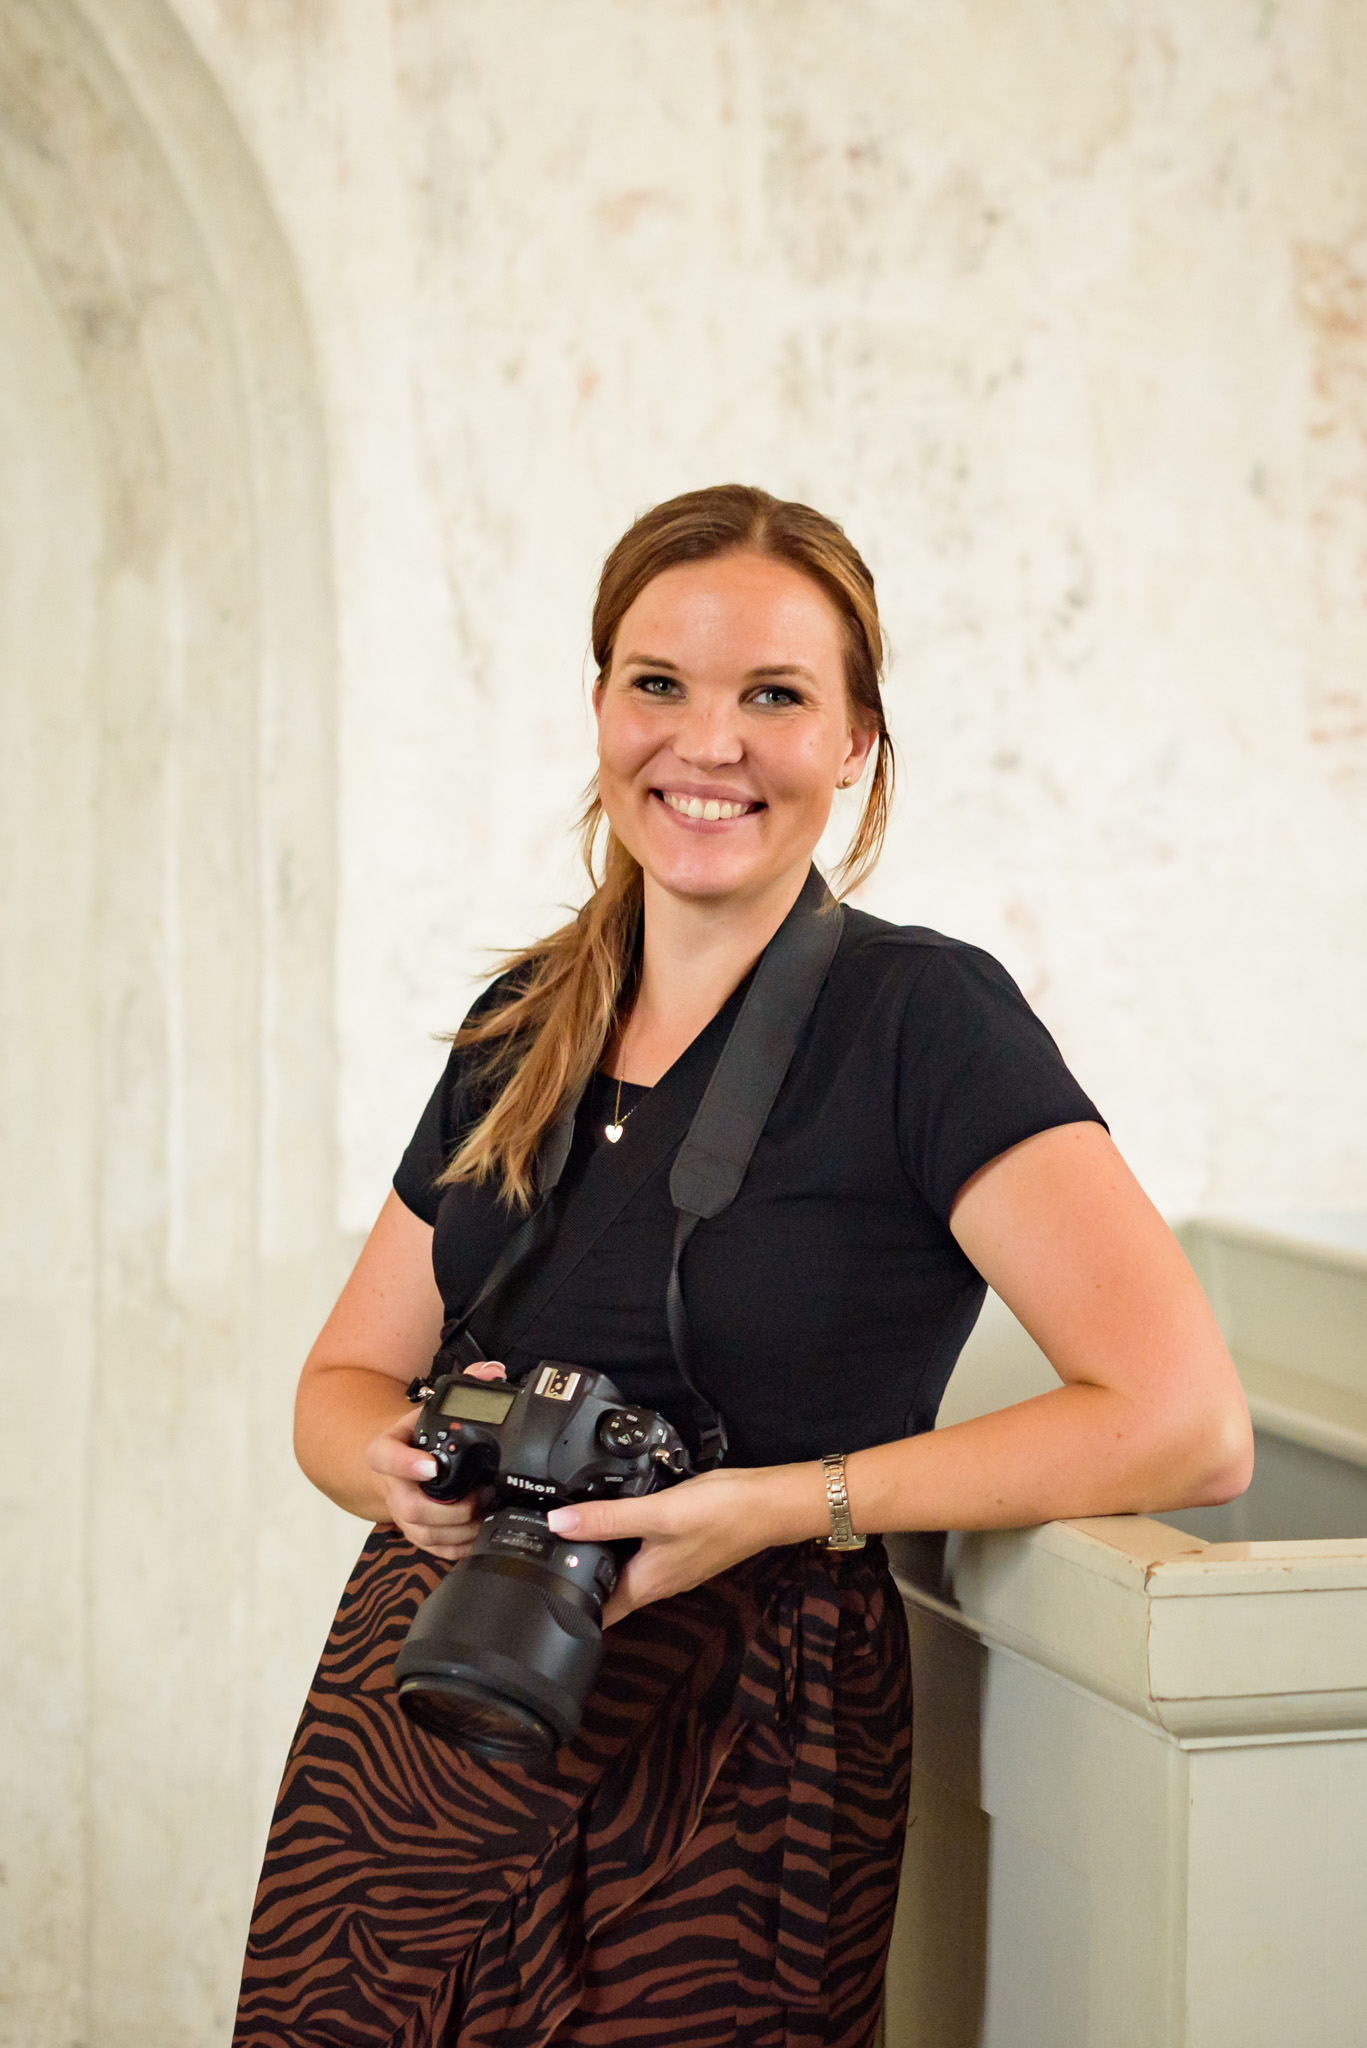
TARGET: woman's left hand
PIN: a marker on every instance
(695, 1530)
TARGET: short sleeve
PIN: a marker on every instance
(428, 1150)
(979, 1073)
(455, 1105)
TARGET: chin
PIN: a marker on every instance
(699, 880)
(703, 880)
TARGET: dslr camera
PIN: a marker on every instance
(503, 1654)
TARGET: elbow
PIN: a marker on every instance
(303, 1449)
(307, 1420)
(1224, 1462)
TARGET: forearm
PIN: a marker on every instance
(1078, 1450)
(339, 1410)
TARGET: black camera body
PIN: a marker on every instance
(501, 1657)
(565, 1435)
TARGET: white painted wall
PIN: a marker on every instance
(339, 339)
(1061, 308)
(167, 1239)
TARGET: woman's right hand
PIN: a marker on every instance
(446, 1528)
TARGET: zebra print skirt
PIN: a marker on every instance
(713, 1859)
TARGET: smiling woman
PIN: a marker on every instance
(718, 759)
(713, 1856)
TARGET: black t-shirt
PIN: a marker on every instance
(828, 1304)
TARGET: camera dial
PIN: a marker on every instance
(624, 1429)
(633, 1432)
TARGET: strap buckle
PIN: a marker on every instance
(712, 1440)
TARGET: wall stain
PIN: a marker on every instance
(1331, 296)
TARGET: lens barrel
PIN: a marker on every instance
(503, 1654)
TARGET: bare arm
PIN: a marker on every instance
(352, 1424)
(1151, 1414)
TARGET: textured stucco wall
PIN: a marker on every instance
(1061, 308)
(167, 1235)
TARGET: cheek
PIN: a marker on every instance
(807, 773)
(624, 737)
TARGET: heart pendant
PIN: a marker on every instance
(612, 1132)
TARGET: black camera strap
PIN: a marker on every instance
(711, 1160)
(715, 1156)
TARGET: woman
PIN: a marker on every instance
(714, 1857)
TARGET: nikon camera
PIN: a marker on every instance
(503, 1654)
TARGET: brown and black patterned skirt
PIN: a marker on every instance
(714, 1858)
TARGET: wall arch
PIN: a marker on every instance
(168, 1204)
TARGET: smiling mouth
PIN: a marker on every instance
(710, 809)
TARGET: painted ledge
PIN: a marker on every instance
(1204, 1639)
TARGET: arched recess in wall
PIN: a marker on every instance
(166, 1179)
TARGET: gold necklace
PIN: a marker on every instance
(613, 1131)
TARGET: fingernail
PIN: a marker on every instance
(564, 1521)
(425, 1468)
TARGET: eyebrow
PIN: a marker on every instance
(771, 670)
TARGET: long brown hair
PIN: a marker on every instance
(547, 1035)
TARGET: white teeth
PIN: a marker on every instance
(710, 808)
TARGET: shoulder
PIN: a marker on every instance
(469, 1084)
(939, 1005)
(972, 1069)
(903, 960)
(476, 1068)
(503, 989)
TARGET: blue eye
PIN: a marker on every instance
(655, 686)
(777, 694)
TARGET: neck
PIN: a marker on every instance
(694, 954)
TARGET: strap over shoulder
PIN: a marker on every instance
(713, 1159)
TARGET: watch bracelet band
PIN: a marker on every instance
(842, 1536)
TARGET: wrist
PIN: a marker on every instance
(796, 1509)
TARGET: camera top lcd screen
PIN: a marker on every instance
(477, 1404)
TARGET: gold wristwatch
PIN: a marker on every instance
(842, 1536)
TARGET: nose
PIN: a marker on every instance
(709, 734)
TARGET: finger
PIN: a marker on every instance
(486, 1369)
(634, 1588)
(433, 1526)
(408, 1503)
(436, 1545)
(607, 1521)
(619, 1606)
(395, 1459)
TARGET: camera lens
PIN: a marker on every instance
(502, 1656)
(466, 1713)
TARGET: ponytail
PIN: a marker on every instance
(550, 1035)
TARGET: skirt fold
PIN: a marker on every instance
(714, 1858)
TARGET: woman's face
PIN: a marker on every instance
(724, 727)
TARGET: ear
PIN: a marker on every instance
(862, 738)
